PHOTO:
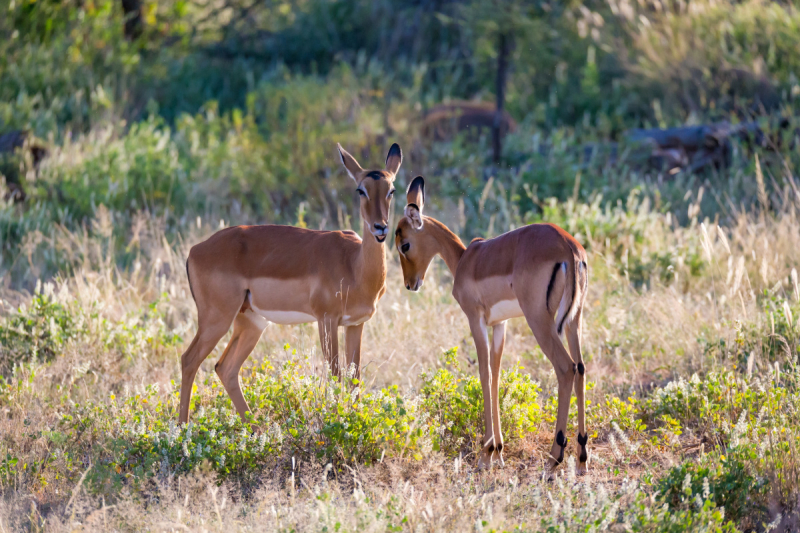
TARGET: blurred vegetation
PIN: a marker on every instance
(232, 109)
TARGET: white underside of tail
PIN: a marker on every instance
(566, 307)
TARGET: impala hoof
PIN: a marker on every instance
(490, 456)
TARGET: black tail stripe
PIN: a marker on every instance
(550, 286)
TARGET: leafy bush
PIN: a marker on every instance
(36, 332)
(291, 413)
(63, 65)
(728, 482)
(42, 330)
(453, 402)
(139, 171)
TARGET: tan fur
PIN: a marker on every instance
(497, 279)
(247, 275)
(444, 121)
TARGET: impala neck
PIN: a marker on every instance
(450, 246)
(372, 261)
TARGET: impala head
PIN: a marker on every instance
(376, 189)
(417, 248)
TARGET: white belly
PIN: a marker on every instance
(286, 317)
(283, 317)
(503, 310)
(348, 320)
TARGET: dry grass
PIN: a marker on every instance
(634, 339)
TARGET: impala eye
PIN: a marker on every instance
(361, 192)
(405, 247)
(391, 193)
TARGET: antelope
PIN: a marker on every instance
(252, 275)
(537, 271)
(443, 121)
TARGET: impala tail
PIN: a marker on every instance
(577, 275)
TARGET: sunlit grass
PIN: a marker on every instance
(690, 363)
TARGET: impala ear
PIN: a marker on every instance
(414, 216)
(394, 159)
(415, 198)
(416, 192)
(349, 162)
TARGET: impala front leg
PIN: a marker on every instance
(352, 344)
(329, 338)
(478, 327)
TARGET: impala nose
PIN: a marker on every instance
(381, 230)
(415, 287)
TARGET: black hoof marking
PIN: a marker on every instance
(583, 440)
(574, 368)
(562, 441)
(581, 369)
(490, 449)
(500, 447)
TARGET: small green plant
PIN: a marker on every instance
(35, 332)
(453, 402)
(39, 331)
(725, 479)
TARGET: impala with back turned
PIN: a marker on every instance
(537, 271)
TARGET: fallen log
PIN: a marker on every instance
(693, 148)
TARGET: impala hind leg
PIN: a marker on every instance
(480, 335)
(544, 329)
(498, 342)
(209, 332)
(573, 331)
(247, 329)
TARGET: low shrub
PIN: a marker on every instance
(453, 402)
(41, 330)
(727, 480)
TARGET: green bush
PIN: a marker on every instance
(292, 413)
(36, 332)
(453, 403)
(63, 66)
(42, 330)
(727, 481)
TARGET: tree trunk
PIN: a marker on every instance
(133, 18)
(502, 68)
